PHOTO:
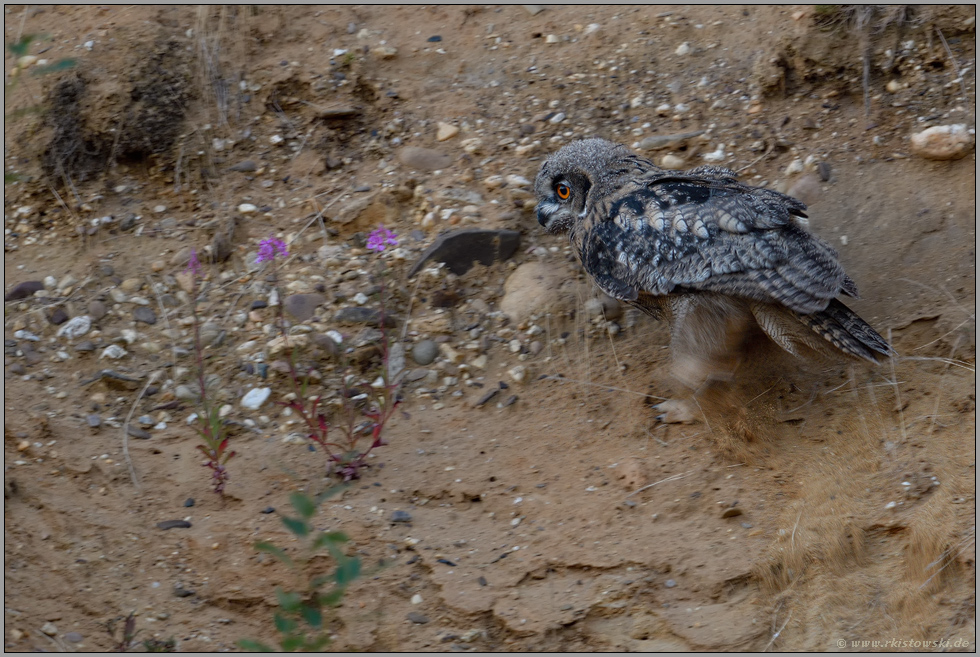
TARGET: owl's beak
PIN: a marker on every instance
(542, 217)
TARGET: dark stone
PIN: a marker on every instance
(362, 188)
(181, 592)
(259, 303)
(360, 315)
(58, 316)
(527, 129)
(189, 502)
(446, 562)
(401, 516)
(173, 524)
(326, 343)
(267, 510)
(17, 369)
(23, 290)
(303, 306)
(824, 170)
(106, 270)
(434, 39)
(417, 617)
(246, 165)
(262, 369)
(462, 248)
(144, 314)
(136, 432)
(481, 580)
(487, 396)
(128, 222)
(509, 401)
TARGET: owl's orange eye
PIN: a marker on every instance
(563, 192)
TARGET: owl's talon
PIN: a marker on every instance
(676, 411)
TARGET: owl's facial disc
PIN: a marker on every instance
(555, 210)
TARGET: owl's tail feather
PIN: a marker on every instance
(837, 325)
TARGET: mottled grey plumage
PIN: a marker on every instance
(710, 254)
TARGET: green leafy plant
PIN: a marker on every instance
(300, 619)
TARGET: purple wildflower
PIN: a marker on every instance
(270, 248)
(194, 265)
(381, 237)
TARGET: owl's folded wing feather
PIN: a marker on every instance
(702, 230)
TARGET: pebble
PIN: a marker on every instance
(416, 599)
(174, 524)
(255, 397)
(117, 295)
(73, 637)
(893, 86)
(113, 352)
(58, 316)
(50, 283)
(683, 49)
(131, 285)
(487, 396)
(424, 159)
(93, 421)
(244, 165)
(144, 314)
(96, 310)
(552, 38)
(731, 512)
(518, 373)
(671, 161)
(303, 306)
(26, 335)
(401, 516)
(23, 290)
(446, 131)
(670, 583)
(361, 315)
(85, 346)
(189, 502)
(247, 208)
(425, 352)
(136, 432)
(942, 142)
(417, 617)
(50, 629)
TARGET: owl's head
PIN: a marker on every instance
(579, 171)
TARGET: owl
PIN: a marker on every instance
(718, 259)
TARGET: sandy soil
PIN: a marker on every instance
(839, 507)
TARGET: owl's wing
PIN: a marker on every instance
(702, 230)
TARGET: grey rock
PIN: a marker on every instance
(396, 360)
(361, 315)
(401, 516)
(303, 306)
(534, 10)
(487, 396)
(462, 248)
(17, 369)
(417, 374)
(417, 617)
(670, 583)
(425, 352)
(85, 346)
(93, 421)
(76, 327)
(128, 222)
(23, 290)
(186, 393)
(245, 165)
(136, 432)
(657, 142)
(145, 315)
(96, 310)
(74, 637)
(424, 159)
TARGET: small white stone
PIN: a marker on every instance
(518, 373)
(672, 162)
(683, 49)
(360, 298)
(50, 283)
(557, 118)
(75, 327)
(113, 352)
(247, 208)
(26, 61)
(518, 181)
(255, 397)
(795, 167)
(552, 38)
(493, 182)
(663, 109)
(89, 45)
(335, 336)
(416, 599)
(160, 209)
